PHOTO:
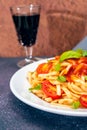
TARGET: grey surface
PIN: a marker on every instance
(82, 44)
(15, 115)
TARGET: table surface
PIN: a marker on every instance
(15, 115)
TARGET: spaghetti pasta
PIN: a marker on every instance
(61, 80)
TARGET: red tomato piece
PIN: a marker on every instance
(44, 68)
(83, 60)
(83, 100)
(78, 68)
(50, 90)
(81, 69)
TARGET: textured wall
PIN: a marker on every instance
(63, 23)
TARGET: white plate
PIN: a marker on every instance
(19, 87)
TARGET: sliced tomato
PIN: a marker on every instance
(82, 60)
(81, 69)
(83, 100)
(44, 68)
(78, 68)
(50, 90)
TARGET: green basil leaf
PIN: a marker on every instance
(61, 78)
(37, 87)
(86, 77)
(84, 53)
(79, 50)
(57, 67)
(76, 104)
(70, 54)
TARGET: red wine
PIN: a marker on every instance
(26, 27)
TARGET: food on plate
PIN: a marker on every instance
(62, 80)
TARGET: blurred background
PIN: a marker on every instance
(63, 23)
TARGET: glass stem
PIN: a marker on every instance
(28, 51)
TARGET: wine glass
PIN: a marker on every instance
(26, 21)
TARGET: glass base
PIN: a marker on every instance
(24, 62)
